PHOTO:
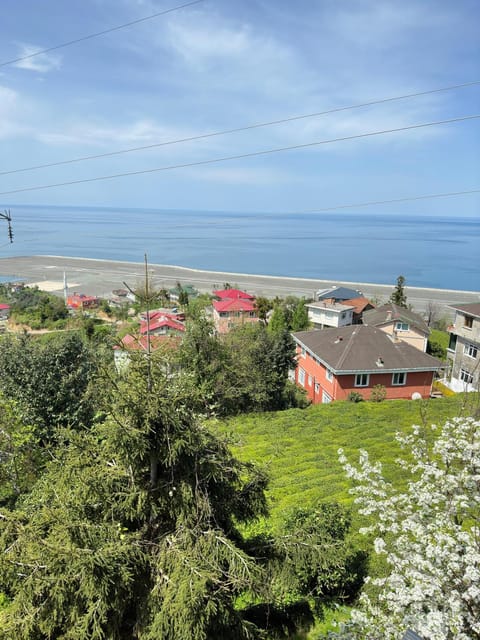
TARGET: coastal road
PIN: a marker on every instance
(100, 277)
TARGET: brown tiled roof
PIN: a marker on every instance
(358, 304)
(364, 348)
(472, 308)
(391, 313)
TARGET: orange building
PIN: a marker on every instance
(332, 363)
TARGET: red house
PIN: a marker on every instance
(233, 307)
(334, 362)
(82, 301)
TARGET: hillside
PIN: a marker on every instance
(299, 447)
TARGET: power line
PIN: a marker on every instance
(241, 156)
(100, 33)
(393, 201)
(239, 129)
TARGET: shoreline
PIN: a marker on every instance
(100, 276)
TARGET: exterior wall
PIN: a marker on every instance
(325, 317)
(229, 319)
(319, 388)
(412, 336)
(459, 358)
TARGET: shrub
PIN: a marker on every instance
(354, 396)
(379, 393)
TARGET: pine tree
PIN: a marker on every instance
(398, 296)
(101, 549)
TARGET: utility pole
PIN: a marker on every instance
(6, 216)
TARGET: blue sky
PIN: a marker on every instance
(223, 64)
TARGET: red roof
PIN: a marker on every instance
(134, 343)
(162, 322)
(233, 305)
(232, 294)
(160, 313)
(4, 306)
(359, 303)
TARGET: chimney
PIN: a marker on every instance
(389, 315)
(379, 362)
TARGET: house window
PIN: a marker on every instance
(468, 322)
(301, 376)
(329, 375)
(452, 345)
(466, 376)
(361, 379)
(399, 379)
(402, 326)
(223, 314)
(309, 381)
(252, 314)
(317, 388)
(470, 350)
(326, 398)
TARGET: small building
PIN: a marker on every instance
(139, 344)
(82, 301)
(335, 362)
(337, 294)
(233, 307)
(162, 326)
(4, 311)
(325, 314)
(360, 306)
(187, 289)
(463, 351)
(400, 323)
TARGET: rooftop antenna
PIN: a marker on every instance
(7, 216)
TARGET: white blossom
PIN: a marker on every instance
(429, 535)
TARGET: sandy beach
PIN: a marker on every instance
(100, 277)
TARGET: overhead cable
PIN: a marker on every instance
(239, 129)
(100, 33)
(241, 156)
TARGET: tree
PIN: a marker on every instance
(398, 296)
(20, 455)
(300, 321)
(263, 306)
(428, 534)
(278, 322)
(50, 382)
(100, 549)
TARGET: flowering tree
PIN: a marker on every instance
(429, 535)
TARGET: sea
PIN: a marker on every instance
(439, 252)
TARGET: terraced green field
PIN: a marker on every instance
(299, 447)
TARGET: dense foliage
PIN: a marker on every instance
(34, 308)
(132, 530)
(51, 382)
(245, 370)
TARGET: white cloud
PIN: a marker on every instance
(111, 137)
(42, 63)
(245, 176)
(10, 117)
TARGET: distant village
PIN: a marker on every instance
(352, 348)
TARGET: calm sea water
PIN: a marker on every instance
(432, 252)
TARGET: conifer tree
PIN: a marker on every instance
(398, 296)
(101, 550)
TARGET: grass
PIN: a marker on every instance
(299, 447)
